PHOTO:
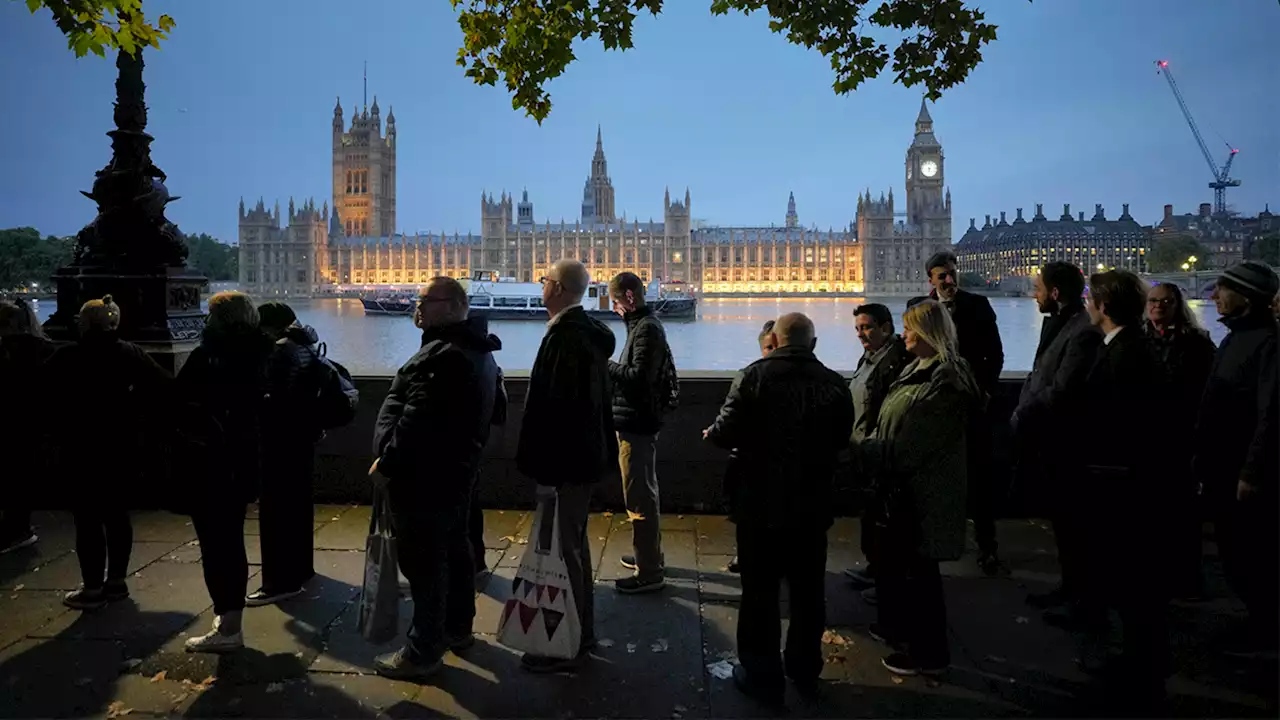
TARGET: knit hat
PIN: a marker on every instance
(275, 315)
(1253, 280)
(100, 315)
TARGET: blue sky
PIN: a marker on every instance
(1066, 107)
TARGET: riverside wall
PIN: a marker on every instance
(690, 470)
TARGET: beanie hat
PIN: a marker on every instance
(276, 315)
(100, 315)
(1253, 280)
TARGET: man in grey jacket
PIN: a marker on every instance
(1047, 407)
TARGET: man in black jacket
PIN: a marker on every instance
(786, 418)
(567, 440)
(640, 396)
(980, 346)
(1048, 410)
(1237, 456)
(433, 425)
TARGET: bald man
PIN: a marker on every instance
(567, 438)
(786, 419)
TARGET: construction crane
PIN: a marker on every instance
(1221, 175)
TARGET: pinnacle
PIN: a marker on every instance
(924, 117)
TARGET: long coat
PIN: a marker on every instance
(919, 454)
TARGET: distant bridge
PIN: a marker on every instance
(1198, 284)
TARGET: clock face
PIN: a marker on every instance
(928, 168)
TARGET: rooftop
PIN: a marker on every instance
(660, 655)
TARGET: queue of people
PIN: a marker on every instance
(913, 429)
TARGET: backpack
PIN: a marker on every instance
(669, 390)
(336, 395)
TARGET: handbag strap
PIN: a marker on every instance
(380, 513)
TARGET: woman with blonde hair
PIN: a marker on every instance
(222, 385)
(918, 455)
(23, 352)
(113, 390)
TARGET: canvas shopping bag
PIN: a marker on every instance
(379, 619)
(541, 617)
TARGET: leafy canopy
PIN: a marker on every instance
(528, 43)
(1170, 250)
(95, 26)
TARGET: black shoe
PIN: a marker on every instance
(635, 585)
(399, 665)
(462, 643)
(263, 596)
(18, 541)
(86, 599)
(115, 591)
(861, 578)
(733, 566)
(884, 636)
(629, 562)
(870, 597)
(991, 566)
(904, 664)
(768, 696)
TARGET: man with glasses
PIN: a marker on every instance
(567, 438)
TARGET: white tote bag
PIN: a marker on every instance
(541, 617)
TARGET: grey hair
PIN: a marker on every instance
(572, 275)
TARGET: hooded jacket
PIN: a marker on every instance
(435, 420)
(567, 434)
(290, 387)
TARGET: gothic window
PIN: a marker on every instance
(252, 276)
(348, 182)
(302, 276)
(364, 182)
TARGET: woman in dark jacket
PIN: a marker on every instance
(1184, 354)
(114, 391)
(222, 385)
(23, 352)
(918, 455)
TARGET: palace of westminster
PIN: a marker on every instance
(317, 250)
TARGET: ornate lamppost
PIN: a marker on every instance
(131, 250)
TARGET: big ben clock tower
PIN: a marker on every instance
(928, 202)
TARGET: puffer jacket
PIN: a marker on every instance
(290, 385)
(637, 376)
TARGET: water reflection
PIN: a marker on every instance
(723, 337)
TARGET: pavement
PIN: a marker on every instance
(660, 655)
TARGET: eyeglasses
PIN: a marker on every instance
(1162, 302)
(544, 280)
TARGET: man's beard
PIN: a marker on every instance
(1050, 307)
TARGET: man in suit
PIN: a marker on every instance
(1048, 407)
(980, 346)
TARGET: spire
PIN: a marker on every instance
(924, 117)
(337, 106)
(599, 140)
(792, 219)
(366, 86)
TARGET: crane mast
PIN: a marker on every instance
(1221, 175)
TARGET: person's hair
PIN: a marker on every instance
(230, 309)
(765, 332)
(932, 323)
(944, 258)
(878, 313)
(451, 291)
(624, 281)
(572, 275)
(275, 315)
(17, 318)
(100, 315)
(794, 329)
(1066, 278)
(1123, 293)
(1180, 311)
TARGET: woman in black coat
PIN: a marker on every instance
(222, 388)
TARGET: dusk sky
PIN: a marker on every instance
(1066, 107)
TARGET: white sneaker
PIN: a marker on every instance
(216, 640)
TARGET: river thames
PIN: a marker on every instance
(722, 338)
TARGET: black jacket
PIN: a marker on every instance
(1122, 382)
(222, 389)
(435, 420)
(27, 413)
(883, 375)
(1050, 399)
(1237, 433)
(291, 387)
(567, 434)
(786, 418)
(637, 394)
(1184, 357)
(978, 335)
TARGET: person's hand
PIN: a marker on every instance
(374, 467)
(705, 433)
(1244, 490)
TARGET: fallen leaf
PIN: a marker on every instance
(117, 709)
(18, 587)
(1021, 620)
(523, 541)
(606, 514)
(81, 682)
(833, 638)
(722, 670)
(508, 538)
(995, 658)
(837, 659)
(895, 680)
(631, 647)
(681, 708)
(158, 676)
(932, 683)
(275, 687)
(660, 645)
(605, 643)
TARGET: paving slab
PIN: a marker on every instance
(58, 678)
(25, 611)
(64, 572)
(349, 532)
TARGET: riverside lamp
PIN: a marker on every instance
(131, 250)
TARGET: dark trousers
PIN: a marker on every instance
(766, 558)
(286, 513)
(1186, 541)
(15, 523)
(220, 529)
(104, 540)
(1247, 544)
(986, 491)
(911, 605)
(475, 529)
(574, 504)
(435, 557)
(871, 517)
